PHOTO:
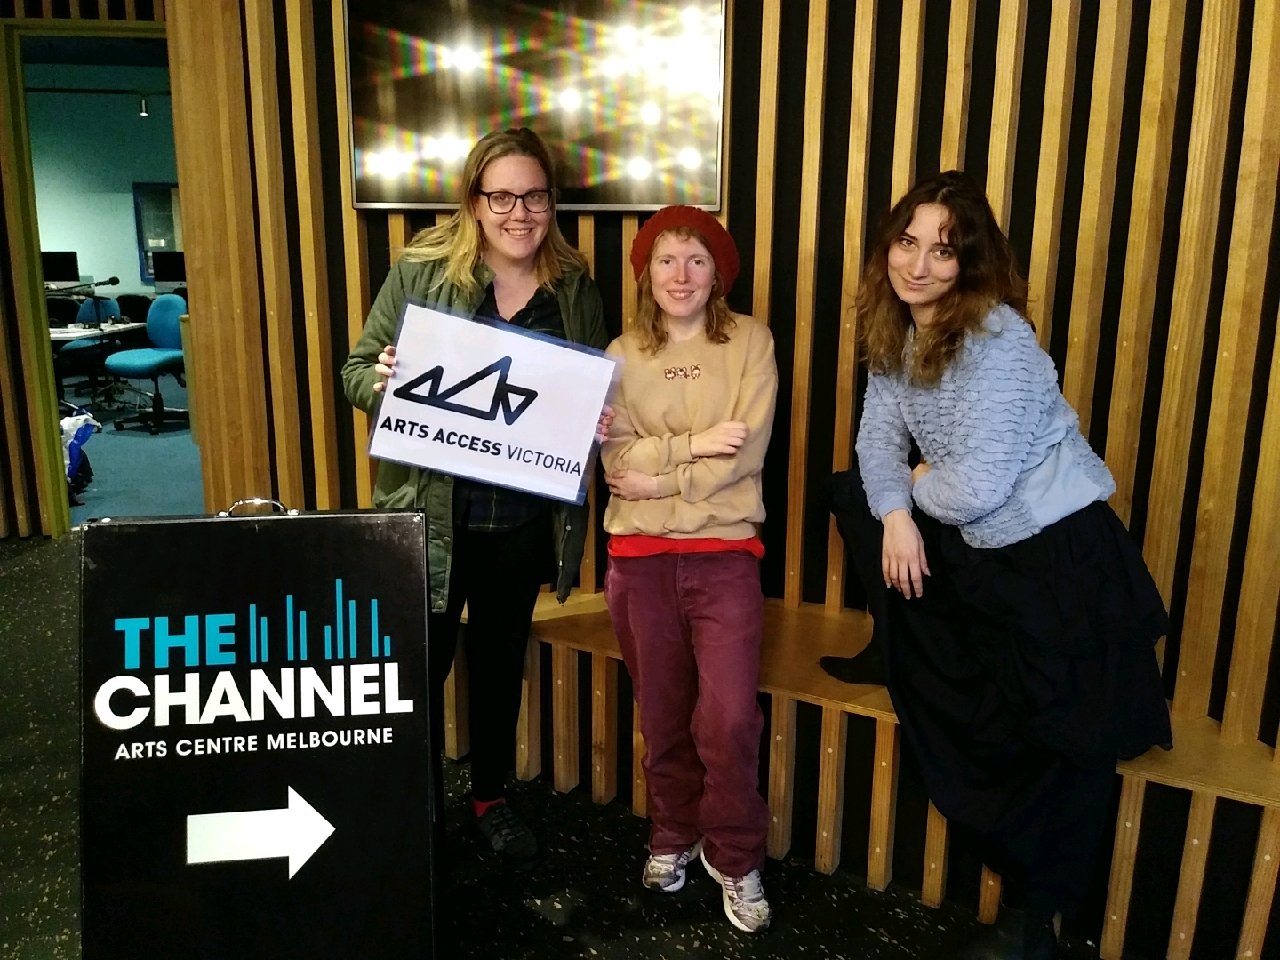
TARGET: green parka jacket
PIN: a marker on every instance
(401, 486)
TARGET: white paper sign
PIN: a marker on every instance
(480, 400)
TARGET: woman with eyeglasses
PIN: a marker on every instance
(500, 257)
(1017, 617)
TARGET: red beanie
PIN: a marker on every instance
(721, 246)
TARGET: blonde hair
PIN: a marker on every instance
(988, 276)
(649, 326)
(459, 240)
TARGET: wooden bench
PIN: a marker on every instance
(795, 637)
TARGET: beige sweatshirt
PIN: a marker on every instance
(662, 401)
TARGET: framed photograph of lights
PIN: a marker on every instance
(628, 94)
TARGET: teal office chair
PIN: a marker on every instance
(84, 357)
(151, 363)
(93, 312)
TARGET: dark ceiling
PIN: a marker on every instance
(96, 51)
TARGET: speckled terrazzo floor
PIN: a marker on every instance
(582, 900)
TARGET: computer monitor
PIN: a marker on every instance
(61, 268)
(169, 267)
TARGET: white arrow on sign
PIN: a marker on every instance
(296, 832)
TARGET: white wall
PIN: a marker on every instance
(87, 150)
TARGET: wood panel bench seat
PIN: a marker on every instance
(1202, 762)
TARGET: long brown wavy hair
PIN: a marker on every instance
(988, 276)
(649, 325)
(459, 240)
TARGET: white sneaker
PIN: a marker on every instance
(744, 902)
(665, 872)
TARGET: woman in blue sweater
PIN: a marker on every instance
(1016, 616)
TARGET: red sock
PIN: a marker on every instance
(481, 807)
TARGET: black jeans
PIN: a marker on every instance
(498, 576)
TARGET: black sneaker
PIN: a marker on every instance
(508, 836)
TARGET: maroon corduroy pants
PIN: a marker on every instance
(690, 626)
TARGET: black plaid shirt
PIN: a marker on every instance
(482, 506)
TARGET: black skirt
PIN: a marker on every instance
(1019, 679)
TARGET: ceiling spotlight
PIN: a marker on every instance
(142, 106)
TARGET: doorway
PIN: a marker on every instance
(100, 134)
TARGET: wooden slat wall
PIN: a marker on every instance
(1187, 412)
(1201, 196)
(1255, 201)
(264, 320)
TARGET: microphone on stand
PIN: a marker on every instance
(86, 290)
(109, 282)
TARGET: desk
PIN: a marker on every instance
(63, 334)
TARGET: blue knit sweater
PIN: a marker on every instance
(1005, 450)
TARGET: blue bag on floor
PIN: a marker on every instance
(76, 431)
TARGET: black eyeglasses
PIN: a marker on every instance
(504, 201)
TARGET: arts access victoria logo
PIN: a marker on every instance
(264, 664)
(506, 397)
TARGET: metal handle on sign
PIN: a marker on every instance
(257, 503)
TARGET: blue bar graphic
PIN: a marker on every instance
(253, 633)
(341, 638)
(337, 616)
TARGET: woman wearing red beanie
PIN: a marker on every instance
(693, 414)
